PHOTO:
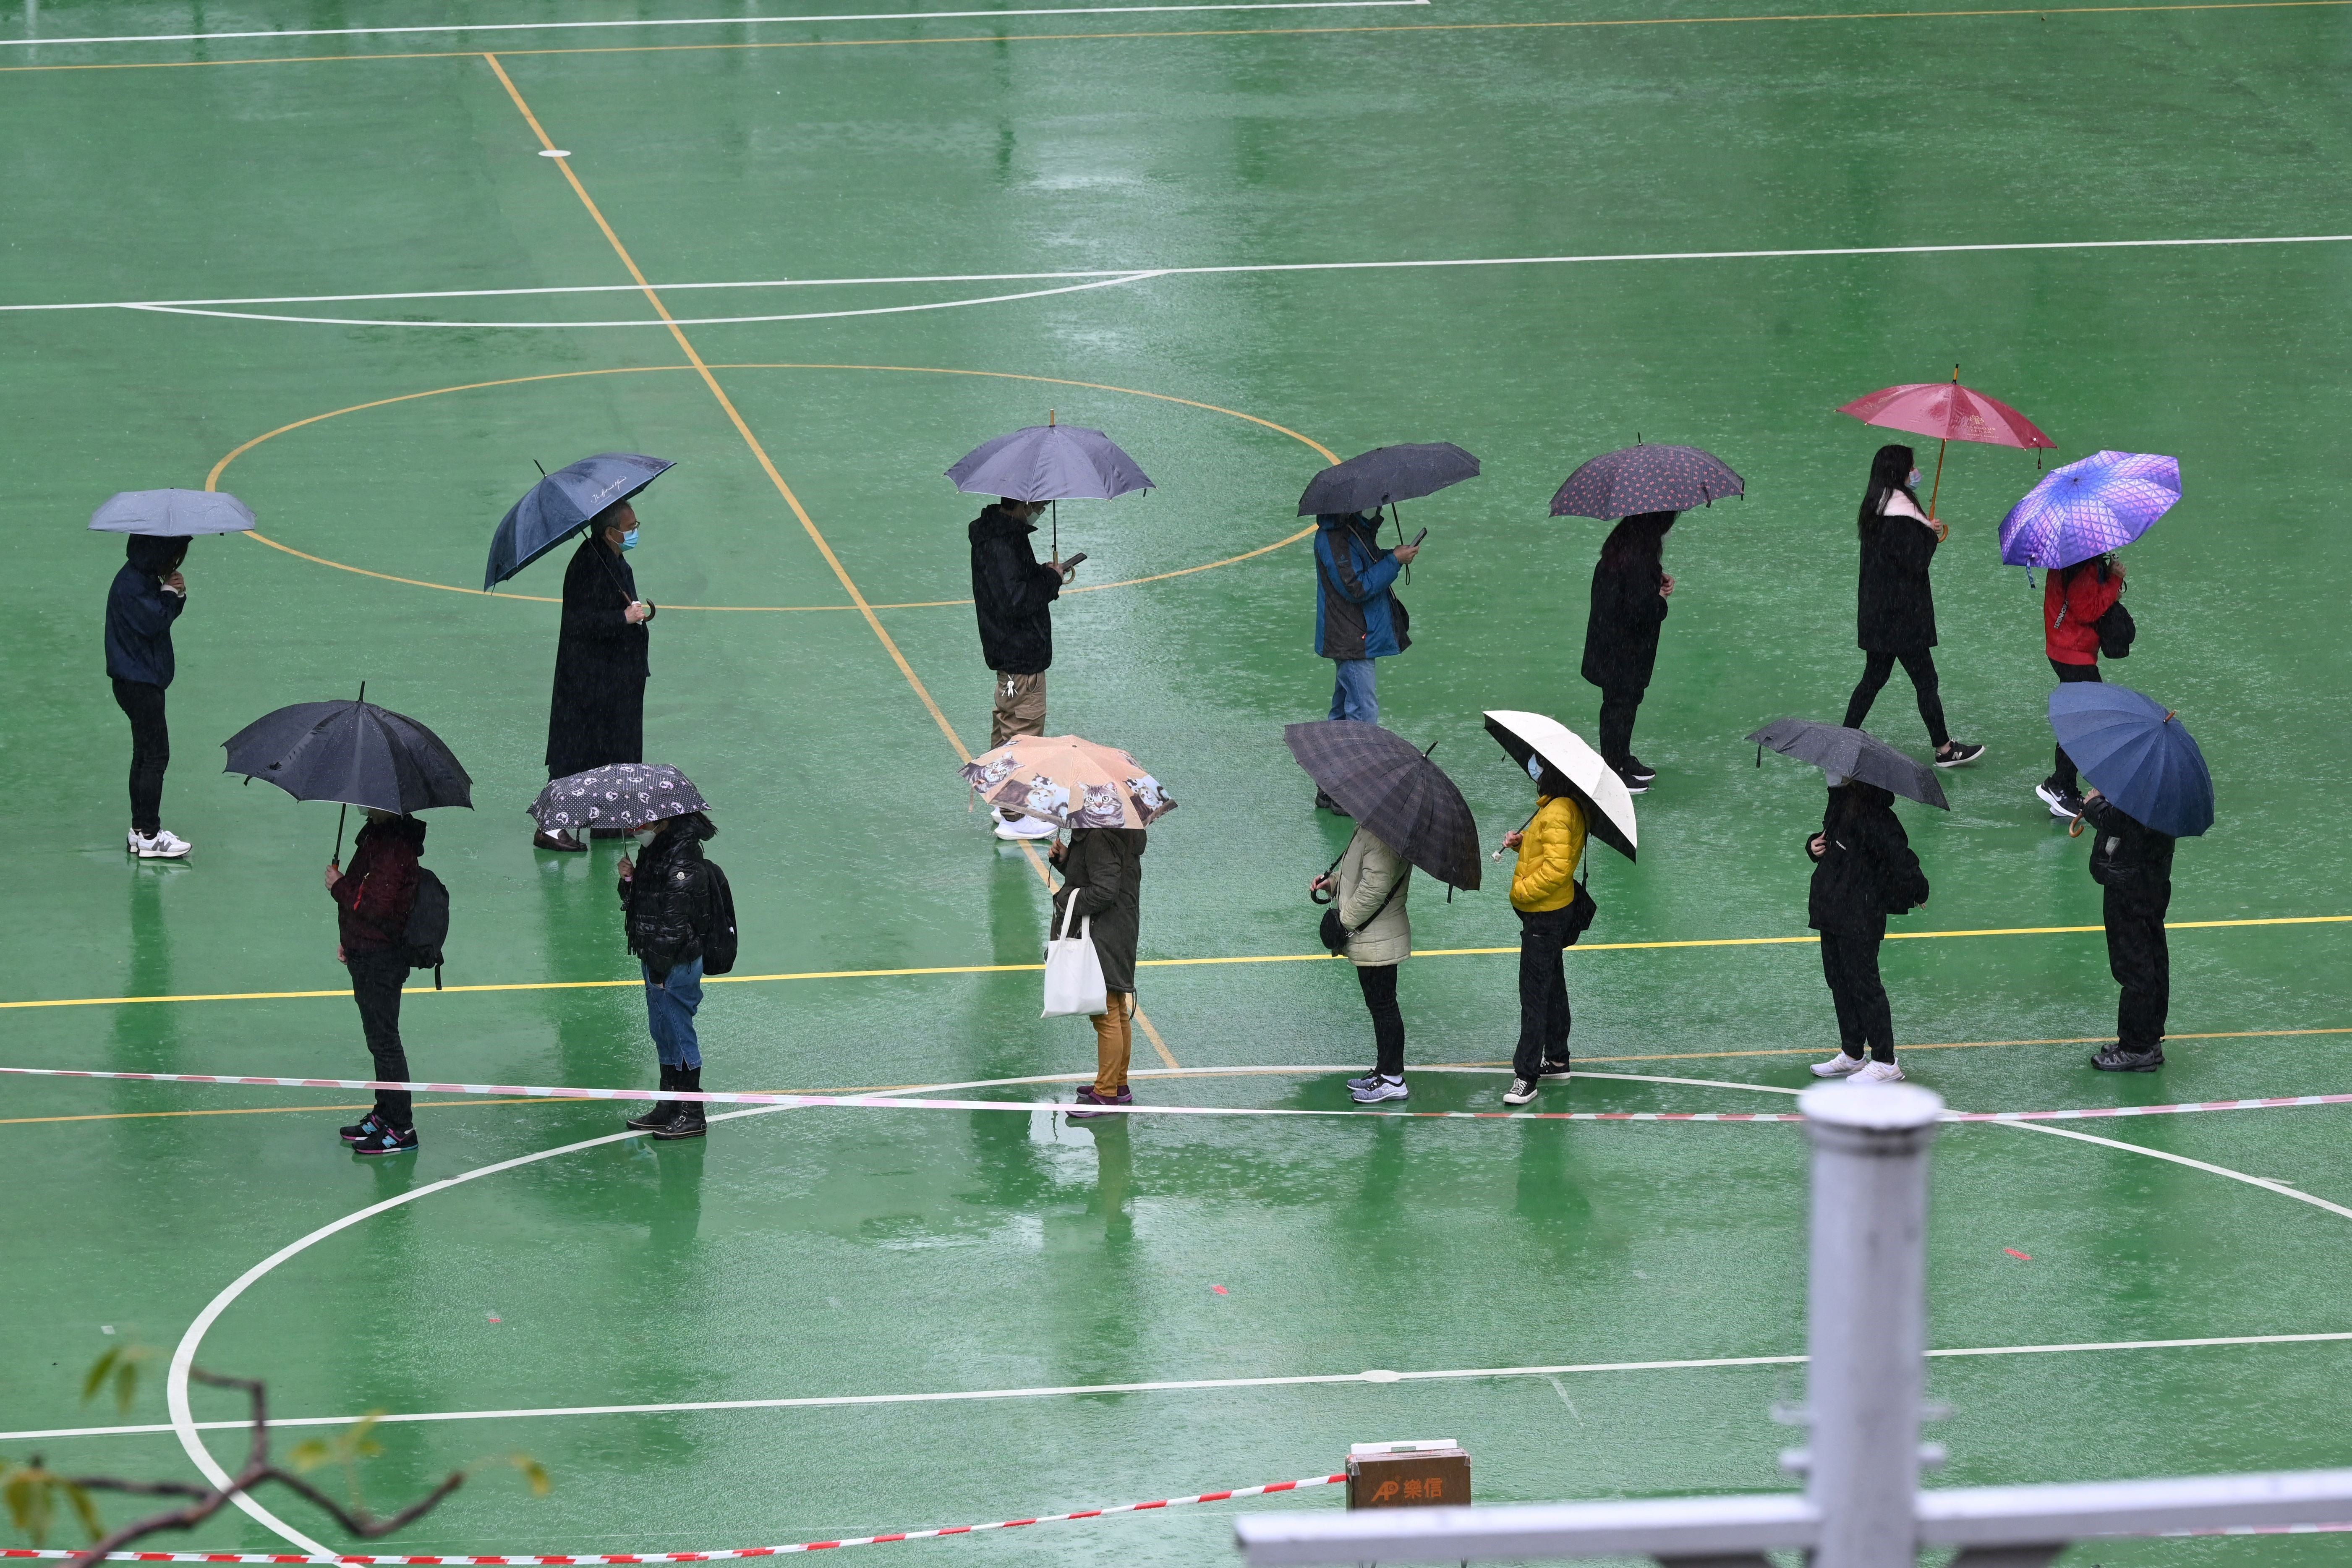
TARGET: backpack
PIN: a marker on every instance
(719, 945)
(428, 925)
(2116, 629)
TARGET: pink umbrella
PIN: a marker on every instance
(1949, 412)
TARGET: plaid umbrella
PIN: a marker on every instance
(1392, 788)
(1069, 781)
(1639, 478)
(618, 795)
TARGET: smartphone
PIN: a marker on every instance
(1073, 561)
(1418, 538)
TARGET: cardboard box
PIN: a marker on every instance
(1433, 1474)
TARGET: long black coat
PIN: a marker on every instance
(1620, 637)
(1866, 871)
(1894, 606)
(597, 714)
(1011, 591)
(1103, 870)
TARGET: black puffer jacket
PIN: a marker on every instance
(668, 899)
(2130, 857)
(1103, 870)
(1865, 870)
(1010, 592)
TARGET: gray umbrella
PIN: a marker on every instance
(1387, 474)
(618, 795)
(1834, 749)
(1639, 478)
(1049, 462)
(171, 514)
(1390, 787)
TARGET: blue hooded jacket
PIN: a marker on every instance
(1356, 614)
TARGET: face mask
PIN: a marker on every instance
(629, 540)
(1912, 482)
(1534, 767)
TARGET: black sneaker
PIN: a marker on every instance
(388, 1140)
(1555, 1069)
(1325, 803)
(2115, 1059)
(1958, 754)
(360, 1131)
(1640, 769)
(1635, 783)
(2064, 803)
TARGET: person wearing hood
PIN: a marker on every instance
(1358, 617)
(2132, 863)
(1102, 875)
(1895, 614)
(1630, 590)
(1011, 594)
(1863, 870)
(597, 714)
(671, 902)
(373, 896)
(147, 596)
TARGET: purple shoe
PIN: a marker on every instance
(1087, 1096)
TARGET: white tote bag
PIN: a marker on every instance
(1074, 976)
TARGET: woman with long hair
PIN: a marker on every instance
(1630, 589)
(1896, 607)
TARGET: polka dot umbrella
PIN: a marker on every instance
(1639, 478)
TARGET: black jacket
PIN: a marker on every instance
(1011, 590)
(138, 616)
(1103, 870)
(669, 902)
(597, 714)
(1895, 609)
(1620, 637)
(1866, 871)
(2133, 860)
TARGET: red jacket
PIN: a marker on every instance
(378, 886)
(2071, 604)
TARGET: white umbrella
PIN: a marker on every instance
(1608, 807)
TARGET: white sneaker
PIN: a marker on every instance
(1023, 828)
(165, 845)
(1879, 1072)
(1839, 1065)
(1519, 1093)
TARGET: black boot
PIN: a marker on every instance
(689, 1121)
(665, 1111)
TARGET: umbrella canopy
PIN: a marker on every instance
(173, 514)
(1392, 788)
(1069, 781)
(2139, 753)
(1834, 749)
(1608, 807)
(1948, 412)
(618, 795)
(557, 507)
(2088, 508)
(1640, 478)
(1049, 462)
(355, 752)
(1386, 474)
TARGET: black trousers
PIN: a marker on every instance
(150, 752)
(2142, 966)
(2063, 775)
(376, 980)
(1379, 982)
(1920, 665)
(1618, 708)
(1865, 1021)
(1543, 992)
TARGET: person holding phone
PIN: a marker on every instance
(1013, 594)
(147, 595)
(1630, 590)
(1358, 617)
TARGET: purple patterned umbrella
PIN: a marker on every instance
(618, 795)
(2086, 508)
(1639, 478)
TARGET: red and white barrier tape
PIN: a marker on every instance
(593, 1560)
(724, 1097)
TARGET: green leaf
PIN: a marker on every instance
(85, 1509)
(126, 1384)
(310, 1455)
(95, 1380)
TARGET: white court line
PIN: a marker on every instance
(714, 21)
(1177, 1386)
(1120, 275)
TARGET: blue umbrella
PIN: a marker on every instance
(2137, 753)
(561, 504)
(2082, 511)
(173, 514)
(1049, 462)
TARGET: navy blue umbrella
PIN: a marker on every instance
(1370, 481)
(561, 504)
(2137, 753)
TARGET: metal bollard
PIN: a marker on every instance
(1867, 1314)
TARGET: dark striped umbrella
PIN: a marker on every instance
(1392, 788)
(1638, 479)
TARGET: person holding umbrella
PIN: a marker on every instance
(597, 714)
(147, 596)
(1367, 889)
(2073, 599)
(1895, 605)
(1012, 594)
(1630, 590)
(374, 896)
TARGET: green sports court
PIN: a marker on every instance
(365, 266)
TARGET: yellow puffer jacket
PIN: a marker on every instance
(1549, 852)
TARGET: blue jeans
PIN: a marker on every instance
(1355, 692)
(670, 1007)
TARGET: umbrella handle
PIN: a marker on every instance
(2074, 829)
(336, 859)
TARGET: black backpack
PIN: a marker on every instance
(2116, 629)
(718, 946)
(428, 925)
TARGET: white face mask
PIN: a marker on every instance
(1534, 767)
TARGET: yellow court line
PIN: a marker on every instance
(1154, 964)
(1220, 33)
